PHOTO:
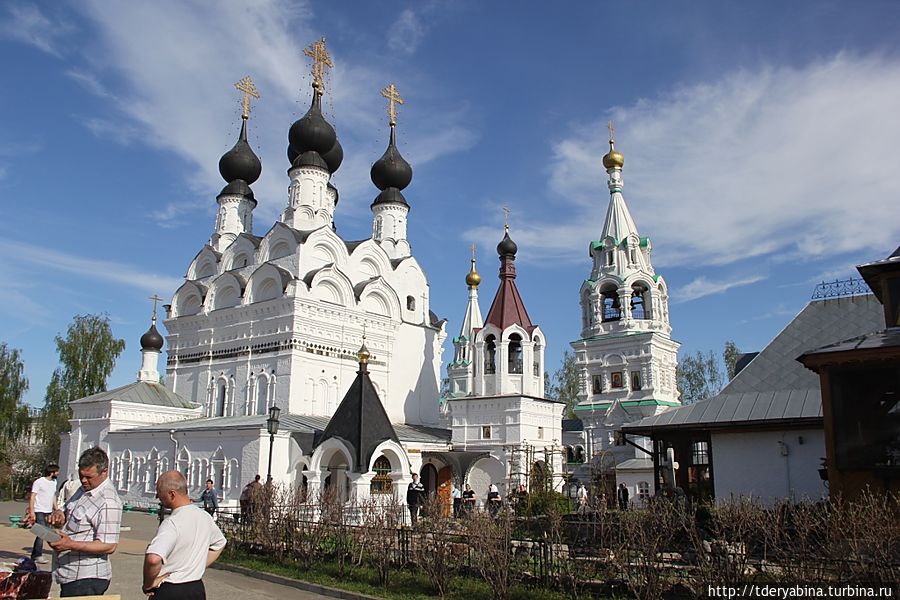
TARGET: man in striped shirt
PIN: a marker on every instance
(91, 531)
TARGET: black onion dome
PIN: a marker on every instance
(238, 187)
(391, 170)
(240, 162)
(310, 158)
(152, 340)
(390, 196)
(334, 157)
(507, 246)
(311, 131)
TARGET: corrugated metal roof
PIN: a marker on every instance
(774, 386)
(140, 392)
(635, 464)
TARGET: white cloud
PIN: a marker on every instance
(784, 163)
(701, 286)
(26, 23)
(121, 133)
(406, 33)
(99, 270)
(179, 96)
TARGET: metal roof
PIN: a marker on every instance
(774, 388)
(140, 392)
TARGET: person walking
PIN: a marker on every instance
(415, 494)
(493, 500)
(210, 499)
(581, 498)
(41, 504)
(249, 498)
(456, 497)
(184, 546)
(622, 496)
(90, 530)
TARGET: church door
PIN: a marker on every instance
(445, 476)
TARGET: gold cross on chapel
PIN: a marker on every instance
(246, 87)
(393, 96)
(609, 125)
(321, 61)
(473, 251)
(506, 212)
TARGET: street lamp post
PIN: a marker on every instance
(272, 428)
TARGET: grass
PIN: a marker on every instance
(404, 584)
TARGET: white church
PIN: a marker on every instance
(338, 335)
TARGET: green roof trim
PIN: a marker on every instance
(645, 241)
(613, 190)
(626, 403)
(656, 279)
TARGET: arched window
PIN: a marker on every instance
(579, 454)
(382, 482)
(640, 307)
(262, 395)
(221, 390)
(410, 303)
(490, 354)
(377, 228)
(537, 357)
(612, 309)
(643, 490)
(514, 360)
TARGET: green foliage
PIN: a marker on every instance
(13, 385)
(698, 377)
(730, 355)
(87, 357)
(564, 384)
(545, 502)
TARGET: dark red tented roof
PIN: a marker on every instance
(508, 307)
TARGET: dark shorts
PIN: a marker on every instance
(190, 590)
(83, 587)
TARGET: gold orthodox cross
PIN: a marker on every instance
(321, 61)
(393, 95)
(506, 212)
(473, 251)
(155, 299)
(609, 125)
(246, 87)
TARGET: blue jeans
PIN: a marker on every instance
(38, 549)
(83, 587)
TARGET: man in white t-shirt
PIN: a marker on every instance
(41, 503)
(185, 544)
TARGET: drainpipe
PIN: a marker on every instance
(175, 455)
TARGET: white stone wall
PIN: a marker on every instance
(768, 465)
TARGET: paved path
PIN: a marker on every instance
(129, 558)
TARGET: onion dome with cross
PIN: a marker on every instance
(312, 140)
(391, 173)
(240, 166)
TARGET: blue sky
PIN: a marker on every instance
(759, 142)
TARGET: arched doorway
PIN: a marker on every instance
(444, 479)
(429, 477)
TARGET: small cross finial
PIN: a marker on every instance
(473, 251)
(247, 87)
(321, 61)
(609, 125)
(506, 212)
(393, 96)
(364, 333)
(155, 299)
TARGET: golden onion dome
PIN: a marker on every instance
(363, 353)
(613, 158)
(473, 278)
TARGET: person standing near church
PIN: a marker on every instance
(210, 499)
(622, 496)
(415, 495)
(90, 530)
(41, 504)
(67, 492)
(456, 498)
(184, 546)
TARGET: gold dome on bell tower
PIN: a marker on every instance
(613, 158)
(473, 278)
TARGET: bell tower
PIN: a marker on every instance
(625, 357)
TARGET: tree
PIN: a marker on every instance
(564, 384)
(698, 377)
(87, 357)
(730, 355)
(13, 385)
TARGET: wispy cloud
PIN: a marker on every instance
(179, 98)
(26, 23)
(119, 132)
(778, 161)
(406, 33)
(701, 286)
(779, 312)
(98, 270)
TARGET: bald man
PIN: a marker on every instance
(185, 544)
